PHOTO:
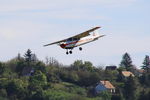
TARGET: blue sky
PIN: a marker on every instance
(32, 23)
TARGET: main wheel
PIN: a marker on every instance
(80, 48)
(67, 53)
(70, 52)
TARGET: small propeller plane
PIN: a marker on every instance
(78, 40)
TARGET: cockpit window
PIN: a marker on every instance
(72, 39)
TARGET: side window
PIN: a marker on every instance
(75, 39)
(70, 39)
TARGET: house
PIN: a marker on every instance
(111, 68)
(105, 86)
(127, 74)
(139, 72)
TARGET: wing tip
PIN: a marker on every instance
(44, 45)
(97, 27)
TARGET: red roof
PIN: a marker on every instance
(107, 84)
(127, 73)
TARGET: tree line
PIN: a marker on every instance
(28, 78)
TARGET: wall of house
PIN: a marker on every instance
(99, 88)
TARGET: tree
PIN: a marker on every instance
(145, 79)
(40, 66)
(20, 66)
(146, 63)
(126, 62)
(87, 78)
(16, 89)
(77, 65)
(39, 95)
(88, 66)
(105, 95)
(28, 56)
(37, 81)
(144, 95)
(51, 61)
(2, 68)
(19, 57)
(131, 89)
(80, 65)
(34, 58)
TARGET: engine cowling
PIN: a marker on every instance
(62, 45)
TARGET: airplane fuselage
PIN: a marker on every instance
(74, 43)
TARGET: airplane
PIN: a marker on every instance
(78, 40)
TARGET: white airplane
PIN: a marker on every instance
(78, 40)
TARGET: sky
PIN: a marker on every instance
(30, 24)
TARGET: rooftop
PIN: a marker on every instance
(127, 73)
(107, 84)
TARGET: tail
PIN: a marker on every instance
(96, 33)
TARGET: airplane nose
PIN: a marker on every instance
(62, 45)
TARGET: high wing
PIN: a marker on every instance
(56, 42)
(83, 34)
(86, 33)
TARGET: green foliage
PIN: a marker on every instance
(126, 62)
(53, 74)
(3, 92)
(68, 87)
(2, 68)
(21, 64)
(53, 81)
(77, 65)
(88, 66)
(16, 88)
(144, 95)
(130, 88)
(105, 95)
(40, 66)
(87, 78)
(72, 77)
(56, 95)
(37, 81)
(39, 95)
(110, 75)
(3, 98)
(146, 63)
(28, 56)
(145, 80)
(80, 65)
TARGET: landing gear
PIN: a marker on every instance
(80, 48)
(69, 52)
